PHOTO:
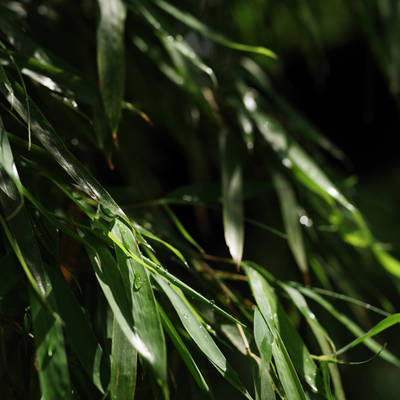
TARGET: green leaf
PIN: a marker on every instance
(351, 326)
(195, 24)
(142, 302)
(262, 381)
(174, 43)
(49, 139)
(291, 220)
(379, 327)
(50, 353)
(110, 281)
(123, 365)
(232, 198)
(158, 269)
(263, 337)
(59, 80)
(267, 304)
(184, 352)
(288, 149)
(110, 58)
(388, 262)
(182, 229)
(149, 235)
(323, 339)
(200, 335)
(79, 333)
(49, 340)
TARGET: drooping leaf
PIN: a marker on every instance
(46, 135)
(323, 339)
(232, 199)
(291, 220)
(50, 353)
(195, 24)
(79, 333)
(379, 327)
(268, 308)
(147, 323)
(156, 268)
(110, 58)
(184, 352)
(123, 365)
(200, 335)
(294, 344)
(351, 326)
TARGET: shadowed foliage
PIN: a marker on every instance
(178, 219)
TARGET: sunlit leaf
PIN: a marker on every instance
(232, 200)
(266, 303)
(147, 323)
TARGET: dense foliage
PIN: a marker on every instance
(172, 225)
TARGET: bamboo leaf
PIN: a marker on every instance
(139, 292)
(110, 281)
(79, 333)
(200, 335)
(110, 58)
(232, 199)
(291, 220)
(50, 353)
(262, 381)
(158, 269)
(195, 24)
(263, 337)
(379, 327)
(46, 135)
(184, 352)
(123, 365)
(324, 341)
(268, 308)
(351, 326)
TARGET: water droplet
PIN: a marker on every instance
(304, 220)
(249, 101)
(332, 191)
(287, 163)
(138, 282)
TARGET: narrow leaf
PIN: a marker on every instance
(324, 341)
(379, 327)
(79, 333)
(184, 352)
(50, 353)
(142, 302)
(123, 365)
(268, 308)
(195, 24)
(232, 199)
(291, 220)
(46, 135)
(351, 326)
(200, 335)
(110, 58)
